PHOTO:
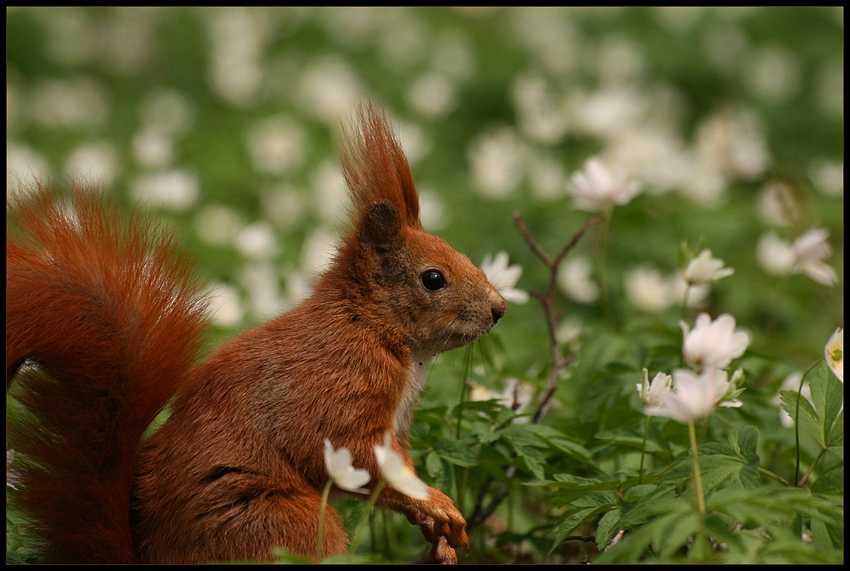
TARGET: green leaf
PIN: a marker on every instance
(808, 418)
(569, 524)
(607, 528)
(745, 441)
(586, 506)
(455, 452)
(828, 400)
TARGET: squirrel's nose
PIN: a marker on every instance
(498, 306)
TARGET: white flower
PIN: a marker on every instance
(696, 293)
(810, 250)
(805, 256)
(497, 159)
(834, 353)
(398, 474)
(712, 343)
(693, 396)
(596, 188)
(705, 268)
(574, 280)
(775, 255)
(344, 475)
(504, 277)
(650, 392)
(648, 290)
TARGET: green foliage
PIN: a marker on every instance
(549, 463)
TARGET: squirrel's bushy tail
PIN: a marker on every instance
(103, 323)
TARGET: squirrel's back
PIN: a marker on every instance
(103, 323)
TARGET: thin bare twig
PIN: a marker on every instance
(547, 299)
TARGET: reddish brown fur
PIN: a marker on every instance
(238, 468)
(101, 308)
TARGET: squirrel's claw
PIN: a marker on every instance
(441, 553)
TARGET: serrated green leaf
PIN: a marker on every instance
(455, 452)
(808, 418)
(636, 493)
(569, 524)
(828, 400)
(607, 528)
(745, 441)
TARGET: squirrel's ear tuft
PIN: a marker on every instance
(376, 169)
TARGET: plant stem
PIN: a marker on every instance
(373, 499)
(701, 541)
(776, 477)
(697, 476)
(321, 530)
(643, 449)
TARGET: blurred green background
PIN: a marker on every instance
(227, 120)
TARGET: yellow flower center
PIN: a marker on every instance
(836, 355)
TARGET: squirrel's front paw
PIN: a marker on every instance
(441, 519)
(441, 553)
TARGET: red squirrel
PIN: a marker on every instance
(104, 322)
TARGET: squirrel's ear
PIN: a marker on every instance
(380, 226)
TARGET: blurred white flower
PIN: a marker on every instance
(773, 74)
(504, 277)
(712, 344)
(651, 391)
(569, 331)
(152, 148)
(805, 256)
(256, 241)
(397, 473)
(574, 280)
(648, 290)
(317, 252)
(276, 145)
(596, 188)
(263, 286)
(342, 472)
(96, 163)
(828, 177)
(175, 189)
(68, 103)
(810, 250)
(225, 309)
(834, 353)
(696, 293)
(705, 268)
(433, 95)
(497, 158)
(217, 224)
(776, 204)
(775, 255)
(330, 89)
(735, 142)
(516, 396)
(693, 396)
(24, 166)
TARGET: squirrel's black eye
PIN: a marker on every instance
(433, 280)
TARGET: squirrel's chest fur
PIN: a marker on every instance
(416, 377)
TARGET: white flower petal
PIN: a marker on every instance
(398, 474)
(834, 353)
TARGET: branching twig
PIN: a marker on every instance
(547, 299)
